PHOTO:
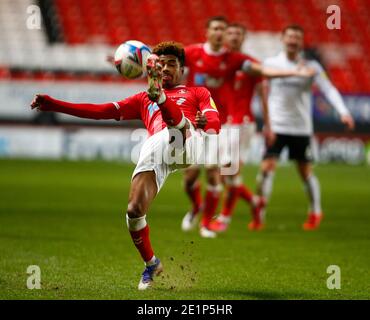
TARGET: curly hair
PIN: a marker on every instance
(170, 47)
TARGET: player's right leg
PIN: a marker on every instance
(142, 192)
(265, 179)
(193, 190)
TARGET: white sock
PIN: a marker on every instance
(265, 181)
(136, 224)
(215, 189)
(224, 219)
(312, 186)
(151, 261)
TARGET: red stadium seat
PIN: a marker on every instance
(114, 21)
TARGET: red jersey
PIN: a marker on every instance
(240, 110)
(189, 99)
(215, 71)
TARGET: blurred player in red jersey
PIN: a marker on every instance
(240, 118)
(172, 112)
(200, 60)
(213, 66)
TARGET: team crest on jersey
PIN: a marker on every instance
(182, 91)
(223, 66)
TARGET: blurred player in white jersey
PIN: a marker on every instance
(291, 121)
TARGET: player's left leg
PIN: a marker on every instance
(300, 150)
(312, 187)
(142, 192)
(193, 190)
(211, 200)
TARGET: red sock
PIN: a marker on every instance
(172, 114)
(230, 201)
(195, 197)
(142, 243)
(245, 193)
(211, 203)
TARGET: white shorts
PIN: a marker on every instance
(235, 141)
(159, 156)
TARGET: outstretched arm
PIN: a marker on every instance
(81, 110)
(332, 95)
(257, 69)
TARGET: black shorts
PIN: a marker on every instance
(299, 147)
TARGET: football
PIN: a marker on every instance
(130, 58)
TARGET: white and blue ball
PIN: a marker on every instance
(130, 58)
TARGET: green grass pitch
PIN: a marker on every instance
(68, 218)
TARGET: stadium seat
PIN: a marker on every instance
(90, 29)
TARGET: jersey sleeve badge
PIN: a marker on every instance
(212, 103)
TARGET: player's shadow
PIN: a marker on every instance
(34, 237)
(266, 295)
(244, 294)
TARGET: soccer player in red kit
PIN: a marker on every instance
(213, 66)
(201, 60)
(169, 112)
(241, 118)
